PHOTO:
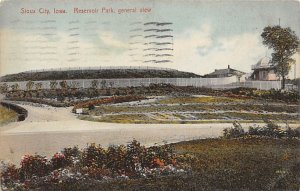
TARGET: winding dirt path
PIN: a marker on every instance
(48, 130)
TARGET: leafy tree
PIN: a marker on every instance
(63, 84)
(15, 87)
(53, 85)
(94, 84)
(4, 88)
(74, 85)
(111, 84)
(103, 83)
(38, 86)
(284, 43)
(29, 85)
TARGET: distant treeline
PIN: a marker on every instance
(97, 74)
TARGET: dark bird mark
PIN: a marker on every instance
(149, 36)
(151, 23)
(160, 55)
(164, 30)
(165, 36)
(147, 30)
(158, 43)
(150, 61)
(165, 23)
(162, 49)
(149, 55)
(150, 43)
(163, 43)
(162, 61)
(74, 34)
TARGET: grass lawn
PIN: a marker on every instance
(220, 164)
(7, 115)
(207, 109)
(251, 164)
(206, 99)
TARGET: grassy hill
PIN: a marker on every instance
(96, 74)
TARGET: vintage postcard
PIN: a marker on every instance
(149, 95)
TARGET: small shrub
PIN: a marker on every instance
(271, 130)
(93, 156)
(9, 174)
(72, 154)
(33, 165)
(59, 161)
(234, 132)
(291, 133)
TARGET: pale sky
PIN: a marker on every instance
(207, 35)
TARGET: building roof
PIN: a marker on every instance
(228, 72)
(263, 63)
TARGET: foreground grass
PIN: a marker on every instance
(219, 164)
(253, 164)
(7, 115)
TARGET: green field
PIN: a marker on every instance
(7, 115)
(207, 109)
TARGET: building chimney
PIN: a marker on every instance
(228, 66)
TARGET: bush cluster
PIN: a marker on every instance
(270, 130)
(276, 95)
(92, 163)
(114, 99)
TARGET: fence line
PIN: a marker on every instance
(215, 83)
